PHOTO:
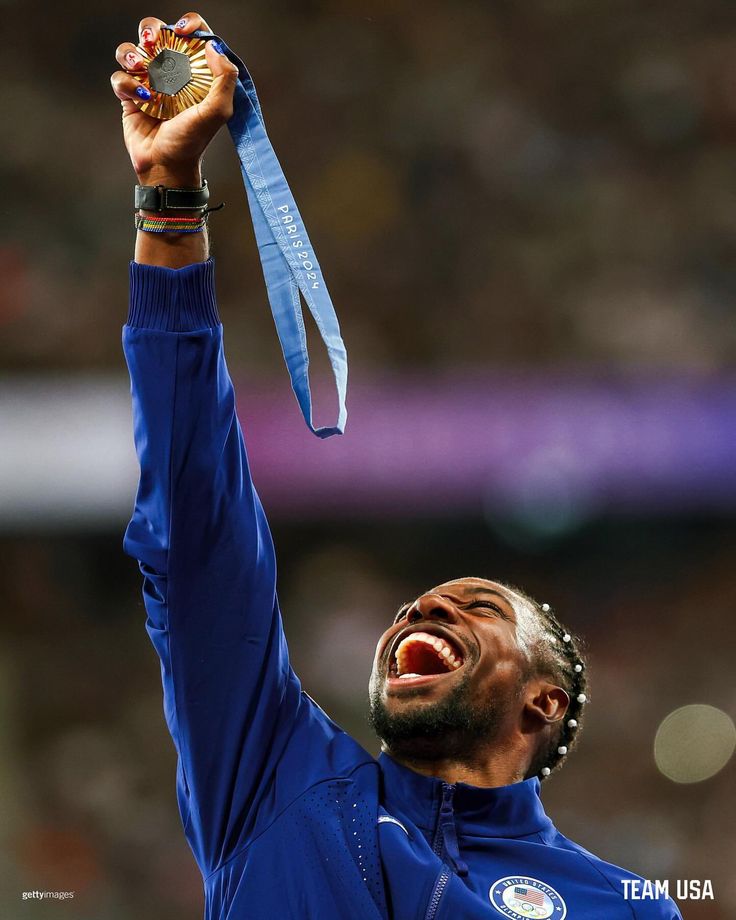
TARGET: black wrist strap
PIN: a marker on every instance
(161, 198)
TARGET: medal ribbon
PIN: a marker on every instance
(290, 265)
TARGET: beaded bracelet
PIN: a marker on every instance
(176, 224)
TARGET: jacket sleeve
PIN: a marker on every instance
(200, 536)
(655, 909)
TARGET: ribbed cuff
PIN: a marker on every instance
(173, 299)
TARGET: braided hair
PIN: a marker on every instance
(557, 652)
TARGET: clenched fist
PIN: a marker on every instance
(170, 152)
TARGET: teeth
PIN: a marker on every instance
(402, 676)
(435, 642)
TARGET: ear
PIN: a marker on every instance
(546, 702)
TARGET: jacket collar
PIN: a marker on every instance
(498, 811)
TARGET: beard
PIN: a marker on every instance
(452, 727)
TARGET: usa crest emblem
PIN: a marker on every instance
(524, 898)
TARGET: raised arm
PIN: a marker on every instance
(231, 699)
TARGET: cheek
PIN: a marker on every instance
(498, 644)
(380, 648)
(496, 678)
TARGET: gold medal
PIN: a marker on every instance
(177, 74)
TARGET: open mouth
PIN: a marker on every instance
(421, 654)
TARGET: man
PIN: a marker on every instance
(476, 692)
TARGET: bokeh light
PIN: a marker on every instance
(694, 742)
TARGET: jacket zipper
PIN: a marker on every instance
(439, 887)
(444, 877)
(448, 790)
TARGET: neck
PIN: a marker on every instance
(501, 765)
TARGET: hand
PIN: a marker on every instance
(170, 152)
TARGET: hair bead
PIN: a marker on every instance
(565, 656)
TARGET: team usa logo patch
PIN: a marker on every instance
(520, 897)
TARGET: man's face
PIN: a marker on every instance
(450, 672)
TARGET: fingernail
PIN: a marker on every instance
(147, 35)
(143, 93)
(182, 23)
(131, 59)
(218, 47)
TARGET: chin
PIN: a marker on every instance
(427, 719)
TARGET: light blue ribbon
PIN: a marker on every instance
(289, 262)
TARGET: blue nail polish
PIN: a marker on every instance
(143, 93)
(218, 47)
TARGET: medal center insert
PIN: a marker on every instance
(169, 72)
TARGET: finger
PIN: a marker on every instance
(128, 56)
(217, 105)
(218, 62)
(189, 23)
(148, 30)
(128, 89)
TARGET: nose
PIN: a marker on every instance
(432, 606)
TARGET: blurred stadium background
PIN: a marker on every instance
(526, 212)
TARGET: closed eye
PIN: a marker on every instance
(402, 612)
(490, 606)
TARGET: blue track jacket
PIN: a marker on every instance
(288, 816)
